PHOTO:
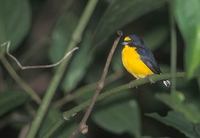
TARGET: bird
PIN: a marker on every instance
(138, 59)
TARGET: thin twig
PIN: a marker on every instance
(83, 128)
(7, 44)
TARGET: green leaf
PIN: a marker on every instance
(52, 121)
(178, 121)
(120, 13)
(61, 35)
(116, 61)
(14, 21)
(119, 117)
(188, 19)
(176, 100)
(156, 37)
(11, 100)
(80, 62)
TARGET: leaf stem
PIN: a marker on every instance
(76, 38)
(173, 48)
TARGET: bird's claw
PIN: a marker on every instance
(129, 85)
(151, 81)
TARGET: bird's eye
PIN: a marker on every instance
(127, 38)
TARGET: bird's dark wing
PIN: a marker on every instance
(149, 60)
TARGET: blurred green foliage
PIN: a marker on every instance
(7, 98)
(188, 19)
(15, 21)
(178, 121)
(125, 114)
(114, 109)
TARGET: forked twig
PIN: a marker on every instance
(7, 44)
(83, 128)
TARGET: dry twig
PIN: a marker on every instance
(83, 128)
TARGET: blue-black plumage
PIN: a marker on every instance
(145, 54)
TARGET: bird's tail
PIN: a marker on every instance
(167, 83)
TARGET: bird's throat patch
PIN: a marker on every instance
(127, 38)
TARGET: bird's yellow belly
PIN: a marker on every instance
(133, 64)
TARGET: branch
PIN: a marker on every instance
(173, 47)
(110, 93)
(124, 87)
(85, 90)
(83, 128)
(20, 81)
(7, 44)
(76, 38)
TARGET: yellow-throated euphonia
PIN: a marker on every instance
(138, 59)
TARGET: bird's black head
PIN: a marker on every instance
(133, 40)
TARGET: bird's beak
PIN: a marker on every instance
(125, 43)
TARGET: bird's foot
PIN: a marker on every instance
(151, 80)
(130, 85)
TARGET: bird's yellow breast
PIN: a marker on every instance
(133, 64)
